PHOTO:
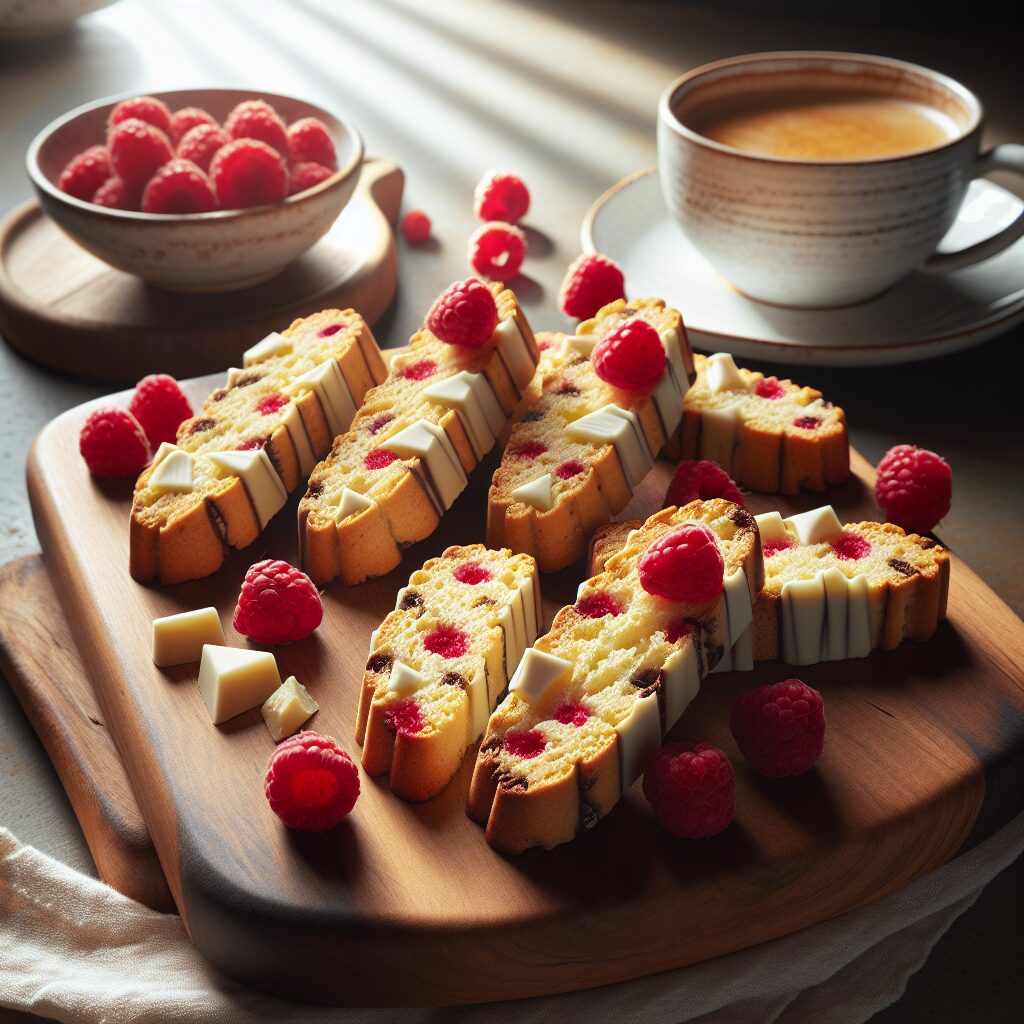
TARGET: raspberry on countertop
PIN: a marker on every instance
(692, 789)
(779, 728)
(415, 227)
(497, 250)
(311, 784)
(278, 604)
(501, 196)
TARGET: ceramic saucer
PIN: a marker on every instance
(923, 316)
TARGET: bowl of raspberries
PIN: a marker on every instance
(196, 190)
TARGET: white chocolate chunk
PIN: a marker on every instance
(265, 489)
(162, 452)
(327, 382)
(743, 652)
(174, 473)
(515, 635)
(352, 502)
(718, 435)
(639, 737)
(771, 526)
(179, 639)
(722, 374)
(479, 705)
(582, 343)
(674, 351)
(291, 419)
(232, 680)
(234, 374)
(529, 591)
(833, 638)
(537, 493)
(621, 428)
(536, 673)
(473, 398)
(858, 624)
(668, 400)
(405, 680)
(515, 353)
(288, 708)
(803, 620)
(738, 610)
(273, 344)
(429, 443)
(816, 526)
(681, 680)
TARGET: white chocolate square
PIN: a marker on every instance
(351, 503)
(473, 398)
(718, 435)
(536, 673)
(514, 352)
(430, 444)
(273, 344)
(816, 526)
(722, 374)
(621, 428)
(803, 620)
(288, 708)
(537, 493)
(291, 418)
(173, 475)
(405, 680)
(771, 526)
(639, 737)
(265, 489)
(179, 639)
(233, 679)
(674, 351)
(327, 382)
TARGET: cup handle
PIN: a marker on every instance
(1007, 157)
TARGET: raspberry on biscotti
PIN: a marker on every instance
(179, 187)
(257, 119)
(137, 149)
(684, 564)
(691, 789)
(914, 487)
(278, 604)
(309, 141)
(699, 478)
(143, 108)
(631, 357)
(248, 173)
(184, 120)
(113, 443)
(501, 196)
(305, 176)
(780, 729)
(464, 314)
(311, 783)
(496, 250)
(86, 173)
(200, 144)
(115, 195)
(160, 406)
(592, 281)
(415, 227)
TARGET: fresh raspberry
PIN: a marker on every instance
(770, 388)
(143, 108)
(773, 547)
(692, 789)
(525, 743)
(447, 642)
(246, 173)
(257, 119)
(278, 604)
(303, 176)
(914, 487)
(113, 443)
(184, 120)
(527, 450)
(311, 783)
(597, 606)
(472, 573)
(159, 405)
(698, 478)
(632, 357)
(420, 370)
(780, 729)
(137, 149)
(85, 173)
(179, 187)
(309, 141)
(379, 458)
(201, 143)
(592, 281)
(405, 717)
(500, 195)
(415, 227)
(497, 250)
(683, 565)
(115, 195)
(567, 470)
(571, 713)
(465, 313)
(850, 547)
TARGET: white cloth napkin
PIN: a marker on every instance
(73, 949)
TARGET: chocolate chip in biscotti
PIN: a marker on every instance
(647, 682)
(411, 599)
(455, 679)
(903, 568)
(198, 426)
(379, 663)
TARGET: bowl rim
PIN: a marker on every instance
(43, 184)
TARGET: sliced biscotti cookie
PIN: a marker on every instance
(592, 699)
(254, 441)
(388, 481)
(574, 458)
(768, 434)
(439, 662)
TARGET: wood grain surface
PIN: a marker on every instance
(64, 308)
(406, 904)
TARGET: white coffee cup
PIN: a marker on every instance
(810, 233)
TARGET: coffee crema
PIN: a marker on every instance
(822, 125)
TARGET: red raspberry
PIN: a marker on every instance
(379, 458)
(257, 119)
(914, 487)
(597, 606)
(115, 195)
(309, 141)
(692, 789)
(464, 314)
(780, 729)
(591, 282)
(446, 642)
(683, 565)
(303, 176)
(525, 743)
(113, 443)
(415, 227)
(571, 713)
(472, 573)
(143, 108)
(497, 250)
(698, 478)
(501, 196)
(199, 144)
(179, 187)
(850, 547)
(770, 388)
(184, 120)
(85, 173)
(311, 783)
(160, 406)
(248, 173)
(137, 149)
(632, 357)
(422, 369)
(405, 717)
(278, 604)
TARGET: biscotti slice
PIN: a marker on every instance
(768, 434)
(254, 441)
(410, 450)
(593, 698)
(439, 662)
(574, 458)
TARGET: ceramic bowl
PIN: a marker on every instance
(32, 19)
(200, 252)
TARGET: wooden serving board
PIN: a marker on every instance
(406, 904)
(64, 308)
